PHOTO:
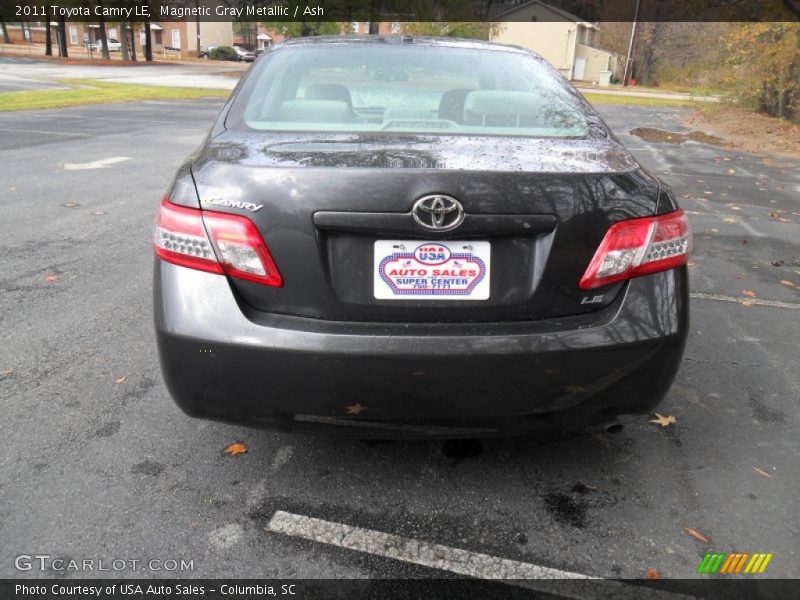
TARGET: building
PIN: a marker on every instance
(561, 38)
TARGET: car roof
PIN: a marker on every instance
(403, 39)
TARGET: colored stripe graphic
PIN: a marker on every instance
(724, 563)
(711, 562)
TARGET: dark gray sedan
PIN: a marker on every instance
(402, 237)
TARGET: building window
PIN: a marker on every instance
(159, 38)
(395, 26)
(73, 35)
(176, 38)
(354, 26)
(112, 32)
(142, 38)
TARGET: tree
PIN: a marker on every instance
(132, 45)
(62, 36)
(766, 62)
(102, 31)
(460, 29)
(5, 32)
(123, 41)
(304, 28)
(48, 35)
(148, 43)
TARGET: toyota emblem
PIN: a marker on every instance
(438, 212)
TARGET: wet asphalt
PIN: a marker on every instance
(92, 468)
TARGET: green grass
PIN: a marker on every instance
(90, 91)
(638, 100)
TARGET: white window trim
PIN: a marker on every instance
(178, 45)
(73, 35)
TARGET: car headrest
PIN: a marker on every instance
(314, 111)
(328, 91)
(505, 108)
(451, 104)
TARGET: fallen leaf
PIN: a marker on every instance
(355, 409)
(51, 278)
(762, 473)
(664, 421)
(121, 379)
(749, 293)
(787, 282)
(236, 448)
(695, 534)
(747, 303)
(70, 204)
(98, 212)
(731, 171)
(652, 574)
(6, 372)
(729, 220)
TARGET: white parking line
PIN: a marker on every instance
(756, 301)
(461, 562)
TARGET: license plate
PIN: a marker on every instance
(414, 270)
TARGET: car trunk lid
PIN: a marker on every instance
(322, 202)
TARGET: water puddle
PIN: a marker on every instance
(662, 136)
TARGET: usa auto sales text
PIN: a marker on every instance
(134, 589)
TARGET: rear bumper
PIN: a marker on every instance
(223, 361)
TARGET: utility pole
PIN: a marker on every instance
(626, 75)
(197, 27)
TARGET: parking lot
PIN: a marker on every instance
(98, 462)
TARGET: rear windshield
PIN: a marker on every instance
(395, 87)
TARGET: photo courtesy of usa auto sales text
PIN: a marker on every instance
(137, 590)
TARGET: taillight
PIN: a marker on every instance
(638, 247)
(181, 238)
(232, 245)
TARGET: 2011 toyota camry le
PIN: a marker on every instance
(411, 237)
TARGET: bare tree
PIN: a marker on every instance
(6, 40)
(48, 35)
(123, 41)
(62, 36)
(132, 33)
(103, 36)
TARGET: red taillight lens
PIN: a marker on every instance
(240, 249)
(638, 247)
(181, 238)
(234, 246)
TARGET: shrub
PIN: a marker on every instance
(223, 53)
